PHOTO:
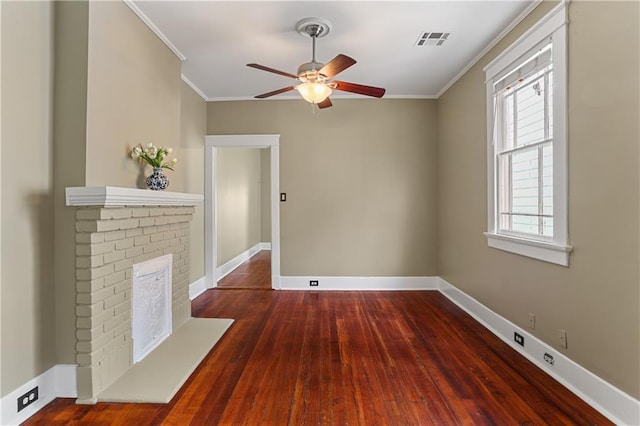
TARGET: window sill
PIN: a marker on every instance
(547, 252)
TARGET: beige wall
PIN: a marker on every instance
(596, 300)
(190, 167)
(237, 201)
(265, 195)
(359, 178)
(134, 96)
(70, 132)
(27, 336)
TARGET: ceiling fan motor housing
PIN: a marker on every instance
(309, 71)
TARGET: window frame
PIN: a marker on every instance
(555, 250)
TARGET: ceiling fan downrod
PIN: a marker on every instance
(314, 31)
(314, 28)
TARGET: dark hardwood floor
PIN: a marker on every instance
(255, 274)
(347, 358)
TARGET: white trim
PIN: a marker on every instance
(490, 46)
(298, 98)
(111, 196)
(144, 18)
(66, 381)
(197, 287)
(491, 169)
(194, 87)
(225, 269)
(548, 252)
(210, 217)
(616, 405)
(265, 246)
(57, 382)
(553, 25)
(561, 136)
(359, 283)
(1, 202)
(241, 141)
(553, 20)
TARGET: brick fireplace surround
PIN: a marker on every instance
(115, 229)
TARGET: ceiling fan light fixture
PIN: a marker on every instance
(314, 92)
(316, 78)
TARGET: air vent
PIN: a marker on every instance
(432, 39)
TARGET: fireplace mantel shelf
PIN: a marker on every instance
(113, 196)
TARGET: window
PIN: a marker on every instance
(527, 144)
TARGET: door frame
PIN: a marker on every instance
(212, 142)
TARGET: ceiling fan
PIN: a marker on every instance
(316, 84)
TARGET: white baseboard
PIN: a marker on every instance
(197, 287)
(224, 270)
(57, 382)
(265, 246)
(616, 405)
(359, 283)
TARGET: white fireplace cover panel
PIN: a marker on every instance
(151, 305)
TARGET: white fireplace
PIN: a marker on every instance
(151, 305)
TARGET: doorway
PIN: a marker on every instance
(253, 274)
(213, 144)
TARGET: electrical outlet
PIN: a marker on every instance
(313, 283)
(27, 399)
(549, 358)
(518, 338)
(562, 338)
(532, 321)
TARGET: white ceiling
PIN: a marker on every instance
(218, 38)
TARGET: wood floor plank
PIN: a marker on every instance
(347, 358)
(254, 274)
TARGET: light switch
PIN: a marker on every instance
(283, 196)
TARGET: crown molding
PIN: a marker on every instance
(490, 46)
(144, 18)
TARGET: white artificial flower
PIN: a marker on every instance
(135, 152)
(169, 150)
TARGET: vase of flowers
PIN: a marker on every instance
(155, 157)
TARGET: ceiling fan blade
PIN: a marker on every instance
(376, 92)
(275, 71)
(337, 65)
(325, 104)
(275, 92)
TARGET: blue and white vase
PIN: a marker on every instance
(157, 181)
